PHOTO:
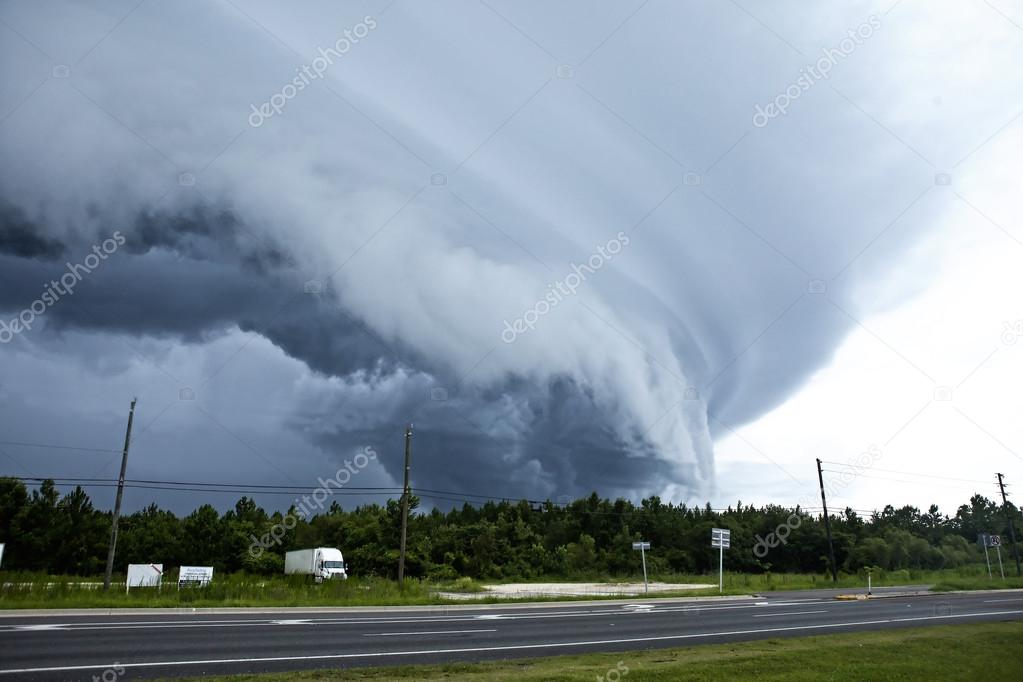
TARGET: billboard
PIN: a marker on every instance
(200, 576)
(144, 575)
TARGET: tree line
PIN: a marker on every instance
(590, 537)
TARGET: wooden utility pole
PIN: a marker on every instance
(117, 501)
(1012, 529)
(827, 523)
(404, 506)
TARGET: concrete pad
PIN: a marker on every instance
(515, 590)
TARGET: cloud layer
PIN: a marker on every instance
(449, 169)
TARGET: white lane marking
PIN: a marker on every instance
(992, 601)
(435, 632)
(291, 622)
(782, 615)
(511, 647)
(141, 625)
(45, 626)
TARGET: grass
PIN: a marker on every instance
(28, 590)
(956, 652)
(33, 591)
(950, 583)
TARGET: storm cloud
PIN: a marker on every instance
(451, 167)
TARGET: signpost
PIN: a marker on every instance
(996, 542)
(643, 547)
(722, 539)
(986, 540)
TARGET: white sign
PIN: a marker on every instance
(195, 575)
(721, 538)
(1, 554)
(144, 575)
(643, 547)
(994, 541)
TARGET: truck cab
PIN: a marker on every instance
(330, 564)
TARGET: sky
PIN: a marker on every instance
(637, 248)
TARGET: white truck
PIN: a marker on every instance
(321, 563)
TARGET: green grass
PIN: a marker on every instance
(957, 652)
(30, 592)
(950, 583)
(27, 590)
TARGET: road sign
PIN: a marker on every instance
(994, 541)
(722, 539)
(643, 547)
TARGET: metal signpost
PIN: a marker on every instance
(722, 539)
(643, 547)
(986, 540)
(996, 542)
(983, 540)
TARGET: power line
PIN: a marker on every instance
(904, 473)
(57, 447)
(205, 487)
(897, 480)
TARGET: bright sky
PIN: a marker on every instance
(961, 337)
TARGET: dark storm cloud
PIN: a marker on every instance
(439, 187)
(22, 238)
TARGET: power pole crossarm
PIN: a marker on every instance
(1012, 529)
(827, 524)
(117, 501)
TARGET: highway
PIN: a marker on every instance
(153, 643)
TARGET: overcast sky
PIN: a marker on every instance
(639, 247)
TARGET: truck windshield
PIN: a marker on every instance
(333, 564)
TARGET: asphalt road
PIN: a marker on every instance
(159, 644)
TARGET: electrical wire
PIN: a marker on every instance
(56, 447)
(904, 473)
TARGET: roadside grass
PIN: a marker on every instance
(39, 591)
(950, 583)
(980, 651)
(21, 591)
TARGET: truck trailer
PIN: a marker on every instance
(321, 563)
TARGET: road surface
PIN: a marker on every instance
(161, 644)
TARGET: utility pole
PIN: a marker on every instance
(117, 500)
(404, 506)
(827, 523)
(1012, 529)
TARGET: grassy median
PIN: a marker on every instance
(983, 651)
